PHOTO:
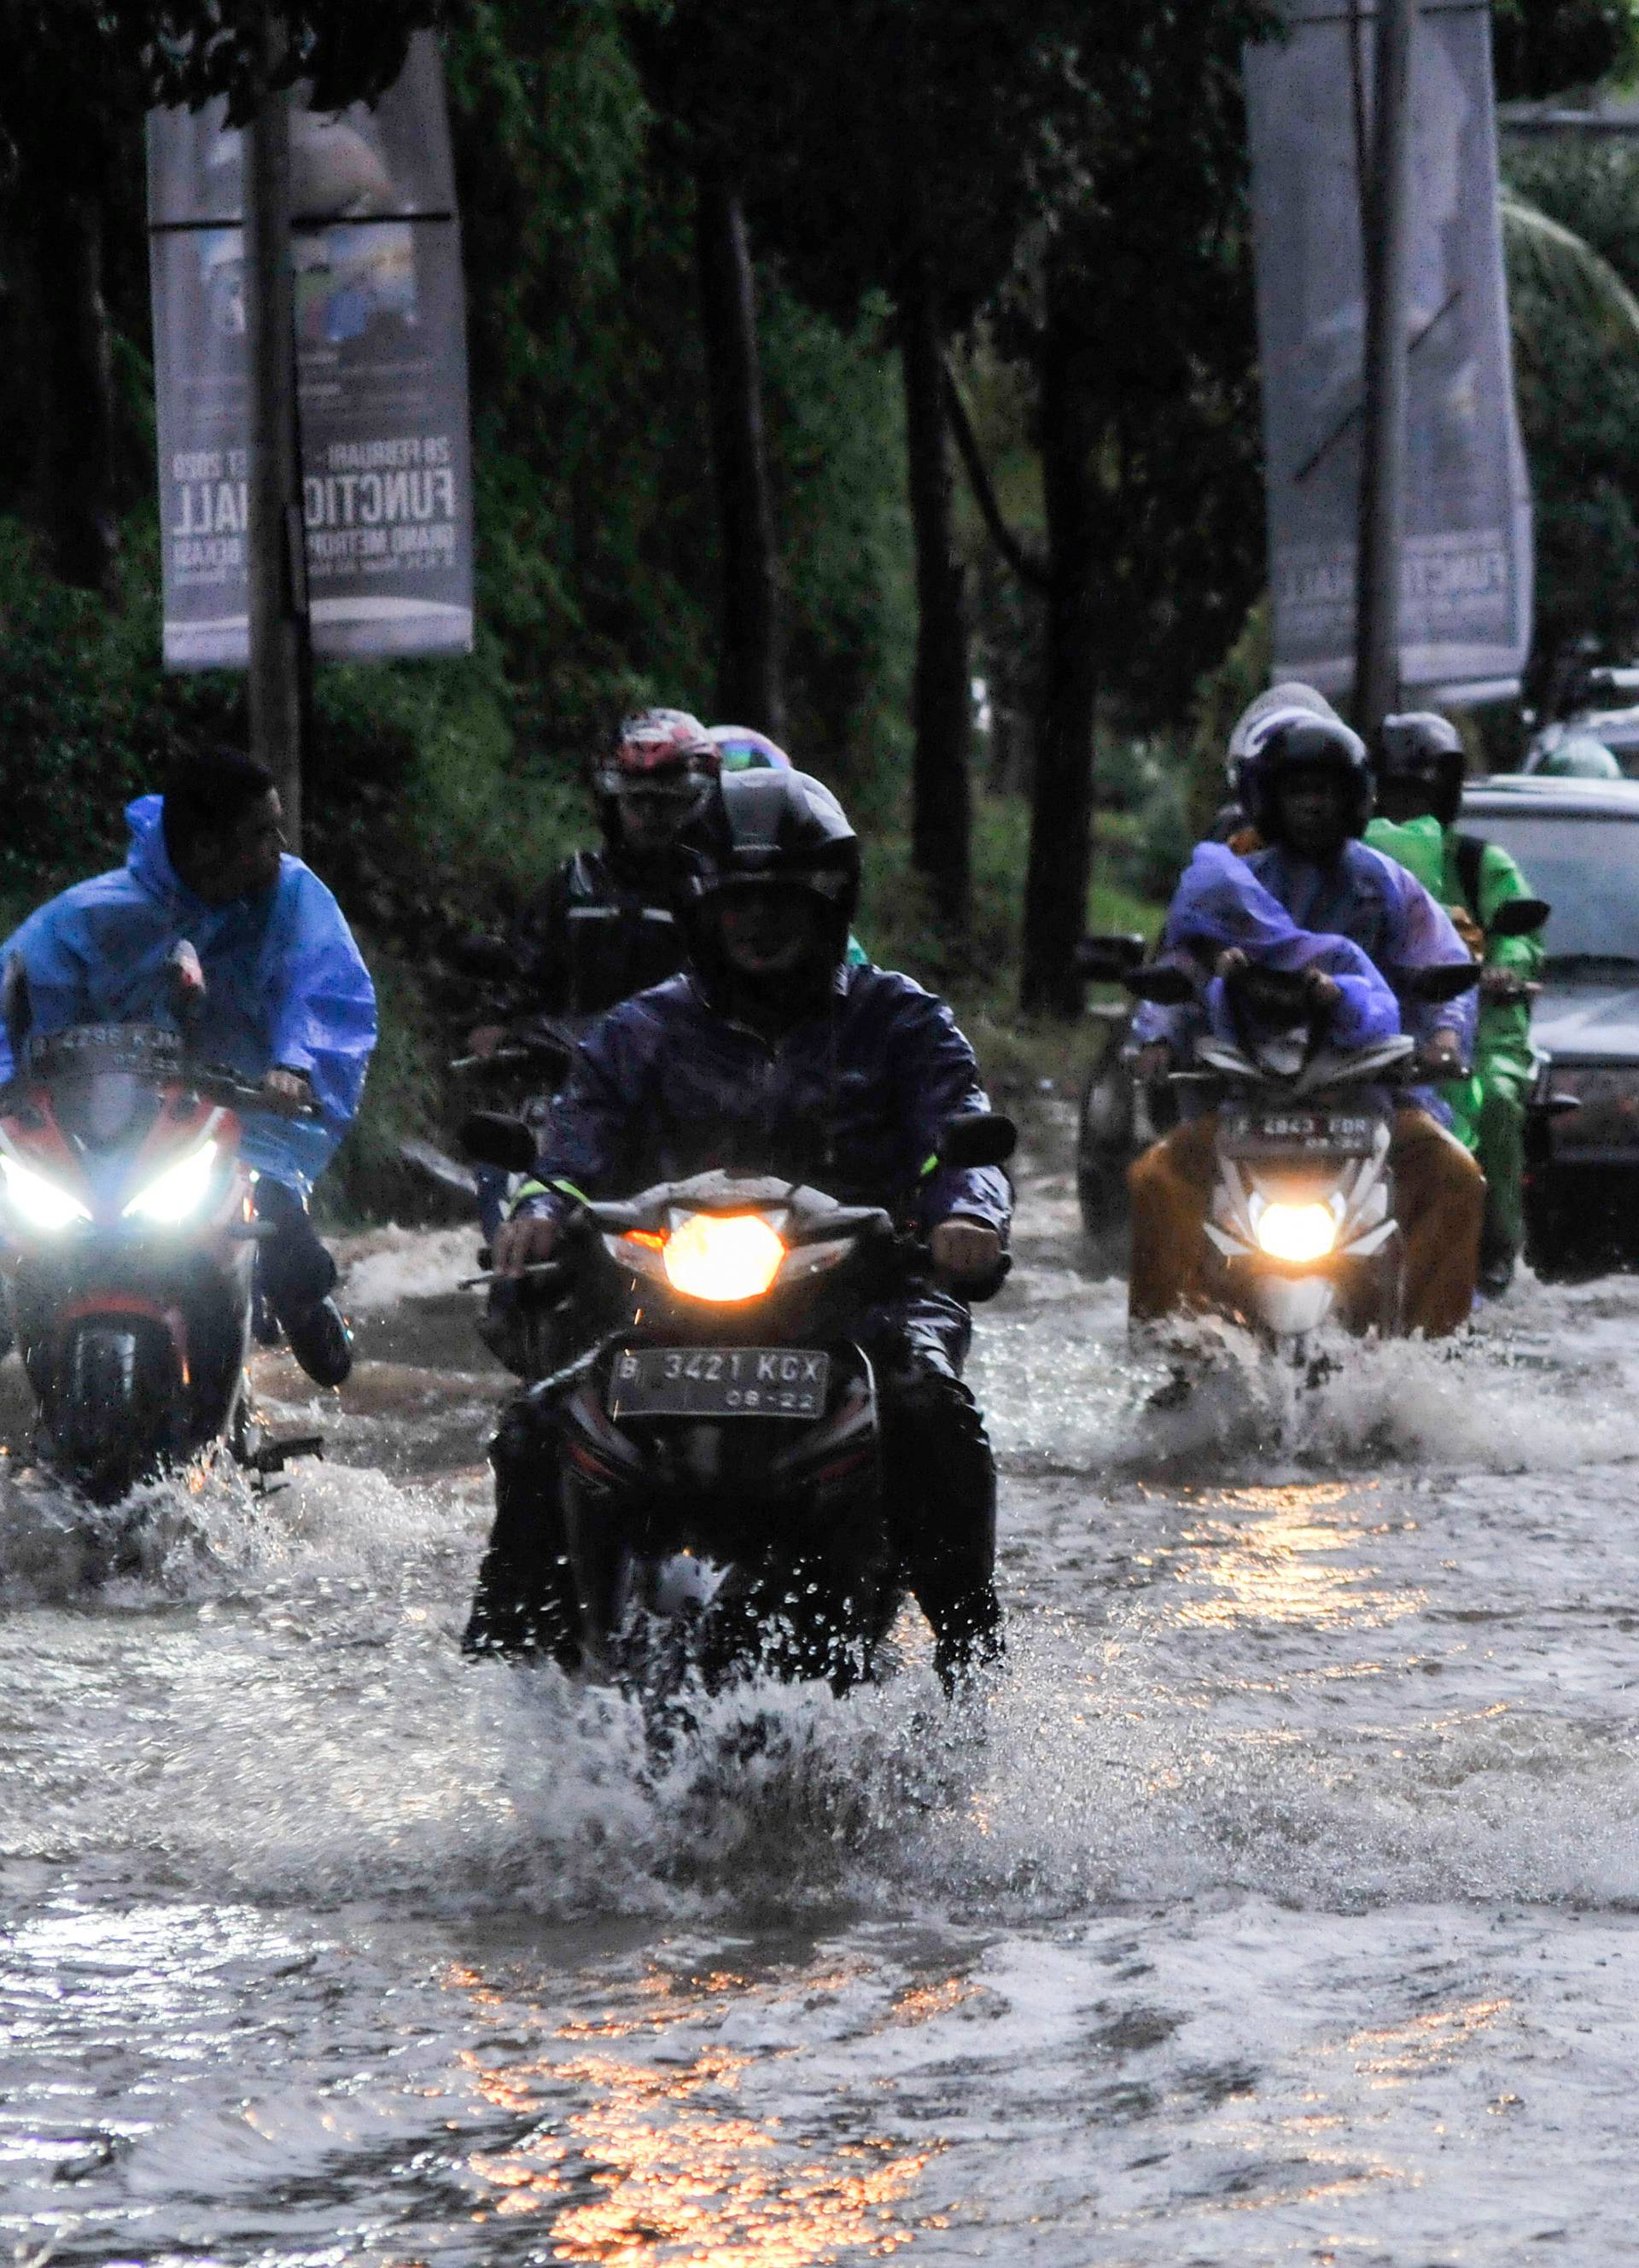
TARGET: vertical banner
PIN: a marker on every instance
(381, 361)
(1466, 569)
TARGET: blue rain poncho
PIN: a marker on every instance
(1363, 920)
(285, 983)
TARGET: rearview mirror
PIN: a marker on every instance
(1519, 916)
(1447, 980)
(1162, 983)
(16, 1008)
(1108, 960)
(979, 1137)
(479, 955)
(490, 1137)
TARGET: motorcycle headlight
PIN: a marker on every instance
(1296, 1232)
(39, 1202)
(722, 1256)
(180, 1189)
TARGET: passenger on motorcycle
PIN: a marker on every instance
(1307, 787)
(288, 1000)
(1419, 766)
(775, 1054)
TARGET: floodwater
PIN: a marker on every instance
(1279, 1904)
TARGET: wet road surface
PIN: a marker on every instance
(1279, 1904)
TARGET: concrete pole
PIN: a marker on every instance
(280, 653)
(1383, 451)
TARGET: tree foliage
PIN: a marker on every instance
(1545, 46)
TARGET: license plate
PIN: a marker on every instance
(718, 1382)
(1295, 1133)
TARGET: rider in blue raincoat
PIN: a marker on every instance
(288, 1004)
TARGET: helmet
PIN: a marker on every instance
(1424, 745)
(1579, 756)
(763, 827)
(744, 749)
(660, 752)
(1281, 705)
(1305, 742)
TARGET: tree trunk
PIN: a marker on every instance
(72, 342)
(1061, 811)
(749, 690)
(941, 696)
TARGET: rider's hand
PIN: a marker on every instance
(286, 1085)
(1442, 1056)
(965, 1251)
(1324, 991)
(1153, 1060)
(485, 1039)
(1501, 984)
(1230, 962)
(523, 1241)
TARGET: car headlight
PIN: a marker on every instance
(179, 1190)
(722, 1256)
(1296, 1232)
(39, 1202)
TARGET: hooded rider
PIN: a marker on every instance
(775, 1054)
(288, 1001)
(1419, 768)
(1306, 785)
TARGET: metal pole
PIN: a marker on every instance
(1382, 448)
(280, 656)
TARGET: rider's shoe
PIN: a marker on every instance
(321, 1342)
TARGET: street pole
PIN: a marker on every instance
(1382, 448)
(280, 652)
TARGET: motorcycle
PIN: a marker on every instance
(130, 1246)
(1301, 1227)
(721, 1470)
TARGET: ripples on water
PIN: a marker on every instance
(1238, 1885)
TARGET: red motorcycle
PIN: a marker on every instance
(129, 1261)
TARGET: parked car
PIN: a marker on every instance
(1577, 842)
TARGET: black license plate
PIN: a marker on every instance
(718, 1382)
(1296, 1133)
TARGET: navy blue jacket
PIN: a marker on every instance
(853, 1100)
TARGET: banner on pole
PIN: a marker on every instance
(381, 361)
(1467, 568)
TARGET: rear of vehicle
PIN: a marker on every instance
(1578, 845)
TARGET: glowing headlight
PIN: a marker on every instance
(1302, 1231)
(722, 1256)
(40, 1202)
(178, 1191)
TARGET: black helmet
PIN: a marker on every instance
(1303, 743)
(1424, 745)
(762, 828)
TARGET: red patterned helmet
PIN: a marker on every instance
(659, 748)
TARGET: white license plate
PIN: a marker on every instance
(1295, 1133)
(718, 1382)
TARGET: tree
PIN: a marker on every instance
(77, 77)
(1134, 315)
(1543, 47)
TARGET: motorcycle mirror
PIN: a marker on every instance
(1520, 917)
(1162, 983)
(979, 1137)
(187, 982)
(480, 955)
(1447, 980)
(1107, 959)
(490, 1137)
(16, 1007)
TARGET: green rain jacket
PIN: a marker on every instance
(1502, 1046)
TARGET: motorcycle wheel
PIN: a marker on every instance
(111, 1419)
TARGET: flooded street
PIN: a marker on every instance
(1280, 1904)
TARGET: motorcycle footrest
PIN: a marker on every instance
(272, 1456)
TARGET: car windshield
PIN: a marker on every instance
(1588, 870)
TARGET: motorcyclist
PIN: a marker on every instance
(288, 1002)
(775, 1054)
(1577, 756)
(1420, 766)
(1307, 787)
